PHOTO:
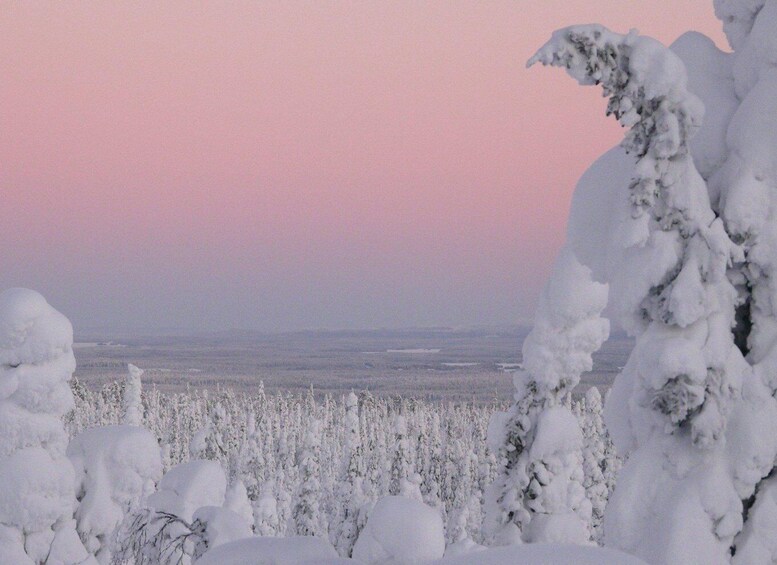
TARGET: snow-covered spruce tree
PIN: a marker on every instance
(538, 495)
(746, 188)
(37, 481)
(266, 522)
(698, 424)
(350, 516)
(132, 413)
(211, 441)
(432, 462)
(403, 480)
(594, 458)
(460, 481)
(251, 459)
(306, 518)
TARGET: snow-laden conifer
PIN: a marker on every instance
(538, 494)
(37, 496)
(683, 248)
(306, 517)
(133, 403)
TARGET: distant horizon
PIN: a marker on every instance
(182, 332)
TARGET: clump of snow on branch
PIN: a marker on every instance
(400, 531)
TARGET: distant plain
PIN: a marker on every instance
(470, 364)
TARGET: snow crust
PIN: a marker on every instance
(294, 550)
(544, 554)
(400, 531)
(219, 526)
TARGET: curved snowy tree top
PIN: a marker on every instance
(738, 17)
(31, 331)
(646, 83)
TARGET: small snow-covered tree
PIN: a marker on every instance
(266, 521)
(132, 407)
(594, 458)
(350, 515)
(403, 480)
(211, 442)
(538, 494)
(306, 515)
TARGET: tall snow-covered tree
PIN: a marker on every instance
(680, 228)
(37, 481)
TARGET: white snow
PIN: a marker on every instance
(189, 486)
(400, 531)
(294, 550)
(37, 495)
(544, 554)
(219, 526)
(117, 468)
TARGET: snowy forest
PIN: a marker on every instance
(671, 236)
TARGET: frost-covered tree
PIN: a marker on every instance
(132, 414)
(680, 226)
(403, 479)
(266, 521)
(594, 454)
(211, 442)
(37, 481)
(306, 516)
(432, 462)
(460, 481)
(254, 468)
(539, 494)
(350, 515)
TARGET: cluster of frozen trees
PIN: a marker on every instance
(316, 466)
(124, 476)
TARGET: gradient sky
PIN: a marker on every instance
(286, 165)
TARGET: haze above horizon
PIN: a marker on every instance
(279, 167)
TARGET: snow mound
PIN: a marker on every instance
(116, 467)
(37, 490)
(401, 531)
(189, 486)
(295, 550)
(220, 526)
(544, 554)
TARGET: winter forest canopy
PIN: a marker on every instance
(672, 235)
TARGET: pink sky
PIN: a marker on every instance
(283, 165)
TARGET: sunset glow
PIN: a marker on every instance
(280, 165)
